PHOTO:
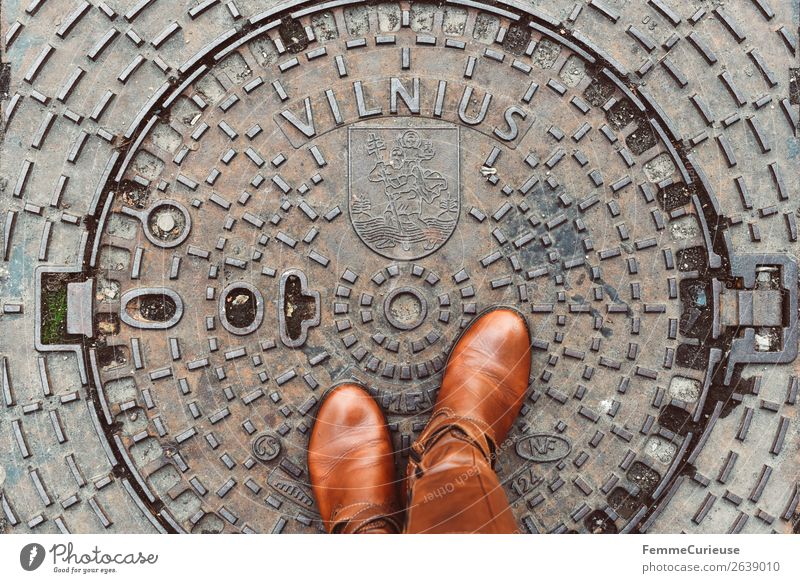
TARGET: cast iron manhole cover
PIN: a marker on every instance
(334, 193)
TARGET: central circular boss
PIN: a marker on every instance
(405, 308)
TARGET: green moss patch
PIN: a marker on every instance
(54, 315)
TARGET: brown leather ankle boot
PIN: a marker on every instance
(451, 485)
(351, 464)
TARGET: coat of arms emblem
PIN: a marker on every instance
(404, 188)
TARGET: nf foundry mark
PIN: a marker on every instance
(404, 188)
(543, 447)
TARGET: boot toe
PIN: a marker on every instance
(350, 457)
(348, 406)
(506, 326)
(488, 370)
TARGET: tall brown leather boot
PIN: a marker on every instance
(451, 484)
(351, 464)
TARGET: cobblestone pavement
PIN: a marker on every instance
(212, 211)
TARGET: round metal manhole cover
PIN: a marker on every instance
(341, 208)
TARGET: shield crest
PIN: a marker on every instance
(404, 188)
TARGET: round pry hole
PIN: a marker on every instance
(153, 307)
(241, 308)
(167, 224)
